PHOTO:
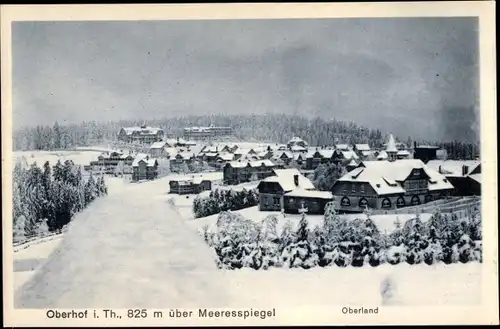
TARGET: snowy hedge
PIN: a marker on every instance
(240, 242)
(221, 200)
(45, 200)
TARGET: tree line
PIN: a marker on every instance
(45, 199)
(240, 242)
(220, 200)
(273, 128)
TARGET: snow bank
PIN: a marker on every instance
(127, 250)
(398, 285)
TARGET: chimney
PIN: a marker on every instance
(296, 180)
(465, 170)
(440, 170)
(414, 144)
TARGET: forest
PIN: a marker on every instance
(240, 242)
(46, 199)
(271, 128)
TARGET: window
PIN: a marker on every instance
(276, 201)
(415, 200)
(363, 203)
(362, 188)
(345, 202)
(353, 188)
(400, 202)
(386, 203)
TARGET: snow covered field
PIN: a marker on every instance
(131, 249)
(78, 157)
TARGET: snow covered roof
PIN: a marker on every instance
(352, 163)
(302, 193)
(476, 177)
(285, 178)
(391, 144)
(171, 141)
(258, 163)
(384, 176)
(349, 155)
(382, 155)
(453, 168)
(211, 154)
(185, 155)
(226, 156)
(342, 147)
(150, 162)
(144, 130)
(403, 152)
(362, 147)
(295, 140)
(298, 148)
(326, 153)
(158, 145)
(366, 153)
(297, 156)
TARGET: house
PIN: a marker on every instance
(390, 185)
(181, 162)
(296, 141)
(202, 133)
(464, 175)
(109, 161)
(141, 135)
(281, 181)
(425, 153)
(236, 172)
(313, 160)
(314, 201)
(222, 159)
(194, 184)
(157, 149)
(363, 151)
(144, 167)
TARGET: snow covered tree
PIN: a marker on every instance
(415, 240)
(300, 253)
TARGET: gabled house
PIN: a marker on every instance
(319, 156)
(281, 181)
(390, 185)
(144, 168)
(464, 175)
(314, 201)
(237, 172)
(157, 149)
(363, 151)
(181, 161)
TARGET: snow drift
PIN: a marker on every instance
(126, 251)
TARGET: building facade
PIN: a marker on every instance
(464, 175)
(140, 135)
(203, 133)
(237, 172)
(273, 188)
(390, 185)
(144, 168)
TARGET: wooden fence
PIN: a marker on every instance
(461, 207)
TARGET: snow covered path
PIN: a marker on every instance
(128, 249)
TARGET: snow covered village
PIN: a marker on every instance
(161, 208)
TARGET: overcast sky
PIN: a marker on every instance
(409, 76)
